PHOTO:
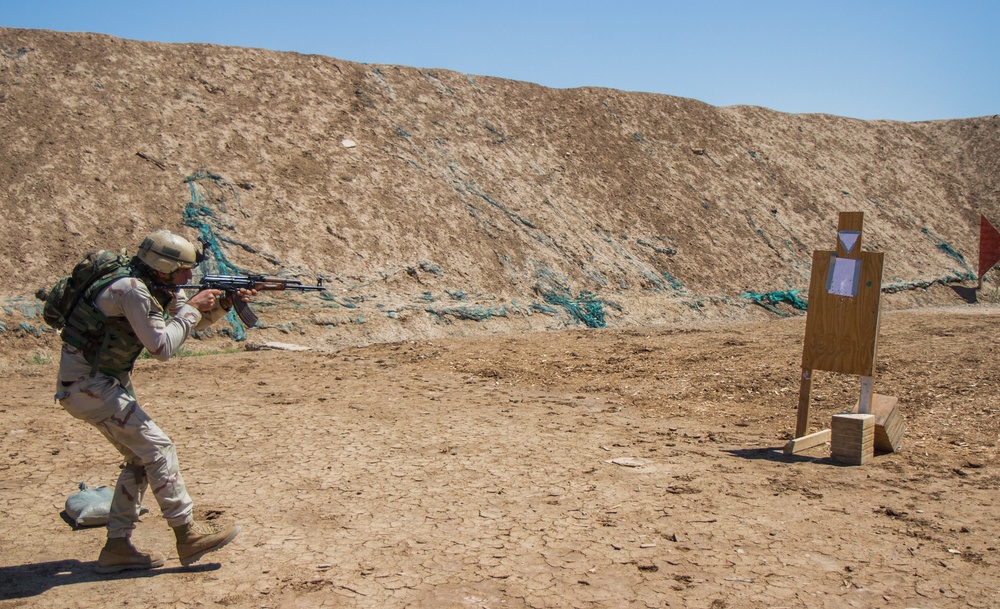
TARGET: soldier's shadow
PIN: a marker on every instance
(24, 581)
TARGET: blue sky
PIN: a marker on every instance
(907, 60)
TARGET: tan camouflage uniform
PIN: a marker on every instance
(109, 403)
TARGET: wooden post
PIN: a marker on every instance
(865, 402)
(805, 394)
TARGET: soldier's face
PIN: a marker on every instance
(180, 276)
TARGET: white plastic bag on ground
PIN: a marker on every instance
(90, 506)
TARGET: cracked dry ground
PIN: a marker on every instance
(565, 469)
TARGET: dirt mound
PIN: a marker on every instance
(438, 203)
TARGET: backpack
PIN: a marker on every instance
(63, 298)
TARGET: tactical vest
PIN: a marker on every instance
(109, 344)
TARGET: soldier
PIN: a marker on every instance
(118, 316)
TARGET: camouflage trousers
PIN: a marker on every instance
(150, 459)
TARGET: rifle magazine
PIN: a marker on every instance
(244, 312)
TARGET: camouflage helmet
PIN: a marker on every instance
(166, 252)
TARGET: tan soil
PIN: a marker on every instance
(479, 473)
(449, 439)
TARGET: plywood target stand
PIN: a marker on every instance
(842, 322)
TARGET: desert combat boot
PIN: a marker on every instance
(119, 554)
(196, 539)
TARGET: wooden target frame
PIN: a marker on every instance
(842, 320)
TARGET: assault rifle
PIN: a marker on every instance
(230, 284)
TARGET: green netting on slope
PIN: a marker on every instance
(207, 191)
(469, 313)
(444, 314)
(769, 299)
(585, 308)
(673, 282)
(203, 213)
(659, 249)
(36, 331)
(464, 184)
(27, 309)
(348, 302)
(947, 249)
(902, 286)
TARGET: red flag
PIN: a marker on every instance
(989, 246)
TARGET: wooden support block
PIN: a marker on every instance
(852, 438)
(806, 442)
(851, 448)
(888, 423)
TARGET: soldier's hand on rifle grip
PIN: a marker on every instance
(205, 300)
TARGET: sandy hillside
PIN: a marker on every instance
(428, 198)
